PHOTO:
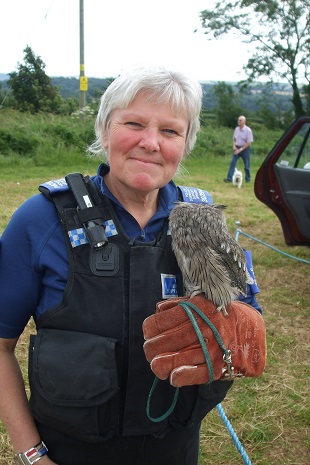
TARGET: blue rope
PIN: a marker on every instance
(233, 435)
(238, 231)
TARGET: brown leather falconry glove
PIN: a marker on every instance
(187, 342)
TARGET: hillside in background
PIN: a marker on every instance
(281, 93)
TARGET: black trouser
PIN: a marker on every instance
(178, 447)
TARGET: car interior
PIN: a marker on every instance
(292, 170)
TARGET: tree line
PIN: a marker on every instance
(29, 89)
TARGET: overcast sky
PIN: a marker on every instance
(117, 34)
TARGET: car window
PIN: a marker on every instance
(297, 153)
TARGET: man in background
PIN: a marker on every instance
(242, 140)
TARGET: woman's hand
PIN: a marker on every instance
(175, 352)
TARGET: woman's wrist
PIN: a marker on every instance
(32, 455)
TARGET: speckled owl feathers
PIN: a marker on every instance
(210, 260)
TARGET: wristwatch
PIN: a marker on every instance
(32, 455)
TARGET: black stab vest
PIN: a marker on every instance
(87, 371)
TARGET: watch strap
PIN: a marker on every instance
(32, 455)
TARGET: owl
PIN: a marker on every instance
(210, 260)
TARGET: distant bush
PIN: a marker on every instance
(19, 142)
(45, 138)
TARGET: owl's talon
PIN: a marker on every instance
(221, 308)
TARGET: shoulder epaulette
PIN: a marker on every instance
(54, 186)
(195, 195)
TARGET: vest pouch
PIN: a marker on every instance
(74, 384)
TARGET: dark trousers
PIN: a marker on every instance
(178, 447)
(245, 155)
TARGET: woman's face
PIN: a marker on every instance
(146, 143)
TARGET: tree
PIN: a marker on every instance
(32, 88)
(228, 107)
(279, 29)
(270, 110)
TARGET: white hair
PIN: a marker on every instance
(183, 93)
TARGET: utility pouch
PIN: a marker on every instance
(74, 383)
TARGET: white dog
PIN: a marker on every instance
(237, 178)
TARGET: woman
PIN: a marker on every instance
(88, 375)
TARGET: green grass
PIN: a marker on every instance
(271, 414)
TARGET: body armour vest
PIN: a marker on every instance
(87, 371)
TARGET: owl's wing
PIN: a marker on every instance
(225, 254)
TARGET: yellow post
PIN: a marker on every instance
(83, 79)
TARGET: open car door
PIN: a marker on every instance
(283, 182)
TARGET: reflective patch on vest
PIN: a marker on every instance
(78, 236)
(169, 286)
(110, 228)
(195, 195)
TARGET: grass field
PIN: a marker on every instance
(270, 415)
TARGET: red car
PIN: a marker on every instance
(283, 182)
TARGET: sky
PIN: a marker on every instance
(118, 34)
